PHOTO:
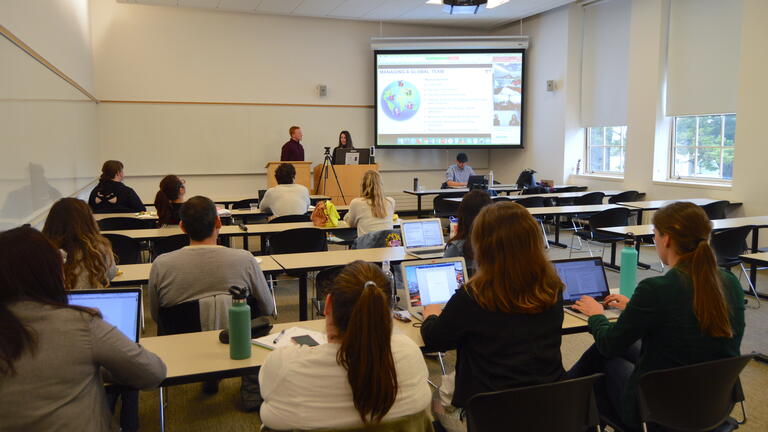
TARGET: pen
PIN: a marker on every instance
(279, 336)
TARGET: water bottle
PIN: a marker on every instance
(239, 325)
(628, 272)
(415, 184)
(453, 226)
(387, 270)
(490, 179)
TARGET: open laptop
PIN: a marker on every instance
(119, 307)
(423, 238)
(352, 156)
(583, 276)
(431, 282)
(477, 182)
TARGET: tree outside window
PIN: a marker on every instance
(606, 149)
(703, 146)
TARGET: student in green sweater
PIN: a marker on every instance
(694, 313)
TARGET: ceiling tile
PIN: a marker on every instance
(208, 4)
(277, 6)
(316, 7)
(354, 8)
(239, 5)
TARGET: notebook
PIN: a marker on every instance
(423, 238)
(583, 276)
(119, 307)
(284, 338)
(431, 282)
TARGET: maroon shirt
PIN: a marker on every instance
(292, 151)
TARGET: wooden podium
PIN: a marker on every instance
(302, 173)
(350, 177)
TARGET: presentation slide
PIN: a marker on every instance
(449, 98)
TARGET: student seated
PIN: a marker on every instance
(460, 245)
(506, 322)
(694, 313)
(330, 386)
(89, 260)
(372, 211)
(287, 198)
(110, 195)
(52, 355)
(457, 175)
(169, 199)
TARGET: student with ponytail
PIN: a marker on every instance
(112, 196)
(363, 376)
(169, 199)
(694, 313)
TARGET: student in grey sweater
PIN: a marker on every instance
(56, 357)
(287, 198)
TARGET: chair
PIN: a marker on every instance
(607, 218)
(562, 406)
(323, 282)
(533, 202)
(728, 245)
(127, 249)
(571, 189)
(246, 204)
(535, 190)
(444, 208)
(626, 196)
(168, 244)
(693, 398)
(378, 239)
(419, 422)
(715, 210)
(291, 218)
(125, 223)
(592, 198)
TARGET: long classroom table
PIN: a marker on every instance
(508, 188)
(138, 274)
(642, 206)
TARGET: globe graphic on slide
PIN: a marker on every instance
(400, 100)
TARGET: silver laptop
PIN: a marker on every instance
(431, 282)
(583, 276)
(119, 307)
(423, 238)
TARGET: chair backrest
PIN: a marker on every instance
(127, 249)
(571, 189)
(531, 202)
(534, 190)
(609, 218)
(298, 240)
(378, 239)
(715, 210)
(245, 203)
(419, 422)
(696, 397)
(323, 282)
(729, 244)
(591, 198)
(125, 223)
(626, 196)
(445, 208)
(291, 218)
(168, 244)
(180, 318)
(562, 406)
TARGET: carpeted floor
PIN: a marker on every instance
(191, 410)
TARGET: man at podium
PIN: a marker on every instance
(293, 150)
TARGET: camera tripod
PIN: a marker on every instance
(328, 163)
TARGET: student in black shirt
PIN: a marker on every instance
(506, 322)
(111, 195)
(169, 199)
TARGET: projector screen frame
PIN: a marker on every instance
(376, 52)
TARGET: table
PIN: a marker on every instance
(138, 274)
(420, 193)
(226, 230)
(228, 200)
(642, 206)
(556, 212)
(755, 260)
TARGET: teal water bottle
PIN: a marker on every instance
(239, 325)
(628, 272)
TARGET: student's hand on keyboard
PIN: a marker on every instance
(617, 301)
(588, 306)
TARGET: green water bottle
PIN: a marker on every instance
(628, 272)
(239, 325)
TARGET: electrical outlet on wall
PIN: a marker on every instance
(551, 85)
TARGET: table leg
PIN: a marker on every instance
(753, 266)
(612, 264)
(418, 206)
(557, 234)
(640, 263)
(245, 241)
(162, 410)
(303, 297)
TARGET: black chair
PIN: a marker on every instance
(715, 210)
(246, 204)
(626, 196)
(168, 244)
(127, 249)
(592, 198)
(571, 189)
(607, 218)
(444, 208)
(535, 190)
(693, 398)
(533, 202)
(728, 245)
(562, 406)
(323, 282)
(292, 218)
(125, 223)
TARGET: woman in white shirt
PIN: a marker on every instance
(372, 211)
(286, 198)
(329, 386)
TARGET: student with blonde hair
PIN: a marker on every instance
(372, 211)
(693, 313)
(506, 322)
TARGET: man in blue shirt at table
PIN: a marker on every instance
(457, 175)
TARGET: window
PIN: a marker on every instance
(702, 147)
(605, 149)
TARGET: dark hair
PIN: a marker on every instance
(470, 206)
(30, 270)
(689, 228)
(285, 173)
(462, 157)
(349, 139)
(70, 226)
(199, 217)
(110, 169)
(292, 129)
(360, 310)
(170, 191)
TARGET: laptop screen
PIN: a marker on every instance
(582, 277)
(422, 233)
(118, 307)
(434, 283)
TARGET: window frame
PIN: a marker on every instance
(588, 147)
(672, 175)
